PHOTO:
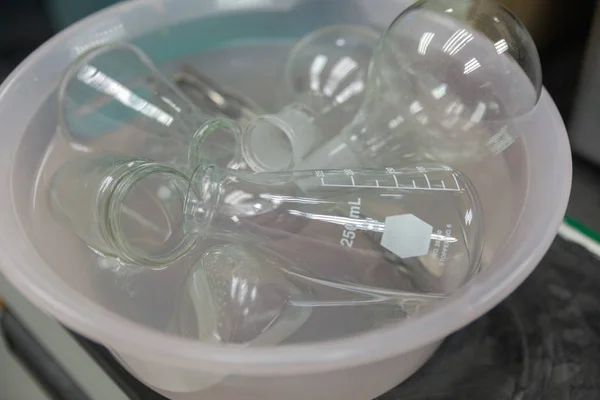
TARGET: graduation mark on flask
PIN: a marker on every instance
(391, 180)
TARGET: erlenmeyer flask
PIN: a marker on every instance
(419, 228)
(325, 77)
(125, 208)
(236, 295)
(115, 89)
(449, 82)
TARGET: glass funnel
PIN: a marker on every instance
(246, 295)
(235, 295)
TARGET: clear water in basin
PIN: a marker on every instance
(153, 297)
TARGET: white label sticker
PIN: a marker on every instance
(406, 236)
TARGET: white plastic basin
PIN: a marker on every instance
(521, 218)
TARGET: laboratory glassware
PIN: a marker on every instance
(214, 98)
(236, 295)
(450, 80)
(116, 89)
(245, 295)
(418, 229)
(171, 365)
(324, 78)
(126, 208)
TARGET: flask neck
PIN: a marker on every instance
(202, 199)
(278, 142)
(222, 202)
(351, 147)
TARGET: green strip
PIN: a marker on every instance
(583, 229)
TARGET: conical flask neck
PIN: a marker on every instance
(202, 200)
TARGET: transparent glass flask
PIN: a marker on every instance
(245, 295)
(125, 208)
(414, 229)
(115, 89)
(236, 295)
(449, 82)
(325, 77)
